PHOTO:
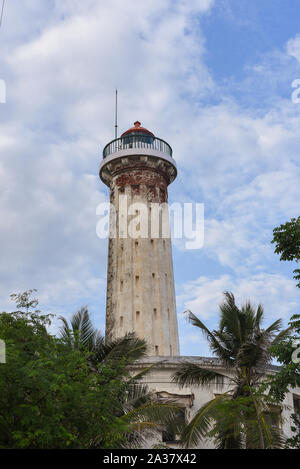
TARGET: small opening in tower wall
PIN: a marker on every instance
(155, 313)
(138, 315)
(153, 275)
(121, 321)
(135, 188)
(156, 350)
(121, 285)
(171, 350)
(137, 278)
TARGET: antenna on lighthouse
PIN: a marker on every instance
(1, 15)
(116, 116)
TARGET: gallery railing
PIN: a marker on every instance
(137, 141)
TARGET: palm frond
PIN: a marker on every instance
(275, 326)
(191, 373)
(216, 347)
(259, 316)
(201, 423)
(282, 335)
(129, 346)
(65, 331)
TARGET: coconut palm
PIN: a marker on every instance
(243, 348)
(82, 334)
(144, 415)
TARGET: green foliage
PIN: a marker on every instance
(74, 391)
(294, 441)
(287, 243)
(235, 418)
(287, 352)
(49, 398)
(140, 411)
(284, 352)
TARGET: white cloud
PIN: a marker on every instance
(61, 76)
(276, 293)
(293, 47)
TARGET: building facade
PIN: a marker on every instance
(192, 398)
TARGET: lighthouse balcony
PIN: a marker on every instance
(133, 143)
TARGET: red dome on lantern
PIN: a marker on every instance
(136, 129)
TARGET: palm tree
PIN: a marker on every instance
(237, 418)
(82, 334)
(142, 412)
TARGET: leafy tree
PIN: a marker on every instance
(53, 396)
(236, 418)
(287, 352)
(294, 441)
(287, 243)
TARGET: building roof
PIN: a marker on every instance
(137, 128)
(175, 361)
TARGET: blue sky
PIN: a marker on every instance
(212, 78)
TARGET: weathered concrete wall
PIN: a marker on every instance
(193, 397)
(140, 283)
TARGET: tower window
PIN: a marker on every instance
(121, 321)
(156, 350)
(121, 285)
(137, 278)
(138, 315)
(153, 275)
(155, 313)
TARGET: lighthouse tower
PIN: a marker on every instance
(138, 167)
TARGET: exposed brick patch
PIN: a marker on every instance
(147, 182)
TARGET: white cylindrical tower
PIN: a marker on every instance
(138, 167)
